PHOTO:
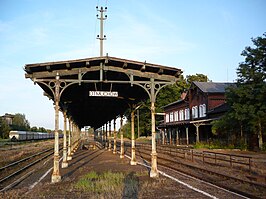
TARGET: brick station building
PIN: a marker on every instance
(188, 120)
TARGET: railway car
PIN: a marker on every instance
(28, 135)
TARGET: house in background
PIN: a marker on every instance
(188, 120)
(8, 118)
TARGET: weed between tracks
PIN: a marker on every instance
(113, 184)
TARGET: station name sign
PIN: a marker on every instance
(103, 94)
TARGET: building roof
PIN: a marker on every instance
(174, 103)
(219, 109)
(212, 87)
(130, 79)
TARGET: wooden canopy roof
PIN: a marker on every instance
(131, 79)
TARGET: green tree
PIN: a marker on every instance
(42, 129)
(34, 129)
(251, 86)
(197, 78)
(20, 122)
(247, 98)
(4, 129)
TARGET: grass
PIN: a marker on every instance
(112, 184)
(218, 145)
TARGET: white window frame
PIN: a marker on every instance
(167, 118)
(176, 116)
(204, 110)
(181, 115)
(195, 112)
(200, 111)
(187, 114)
(171, 117)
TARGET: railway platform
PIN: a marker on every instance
(136, 182)
(127, 181)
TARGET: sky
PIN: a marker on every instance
(197, 36)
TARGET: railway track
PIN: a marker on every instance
(231, 183)
(240, 187)
(14, 173)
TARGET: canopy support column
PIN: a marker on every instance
(56, 175)
(114, 151)
(65, 163)
(154, 172)
(187, 138)
(109, 139)
(106, 137)
(69, 157)
(122, 152)
(197, 132)
(133, 150)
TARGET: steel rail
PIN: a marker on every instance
(24, 159)
(24, 168)
(204, 171)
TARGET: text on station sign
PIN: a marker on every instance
(103, 94)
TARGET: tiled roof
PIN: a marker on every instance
(212, 87)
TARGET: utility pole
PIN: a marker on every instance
(101, 37)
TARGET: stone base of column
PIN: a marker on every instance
(69, 158)
(122, 156)
(154, 172)
(114, 152)
(64, 164)
(133, 162)
(56, 178)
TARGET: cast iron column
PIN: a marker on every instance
(64, 163)
(133, 154)
(197, 132)
(177, 137)
(122, 151)
(106, 137)
(187, 135)
(114, 152)
(109, 139)
(102, 134)
(69, 157)
(154, 172)
(56, 175)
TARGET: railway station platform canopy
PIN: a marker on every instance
(93, 91)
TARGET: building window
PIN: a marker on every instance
(176, 116)
(187, 114)
(202, 110)
(167, 118)
(181, 115)
(195, 112)
(171, 117)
